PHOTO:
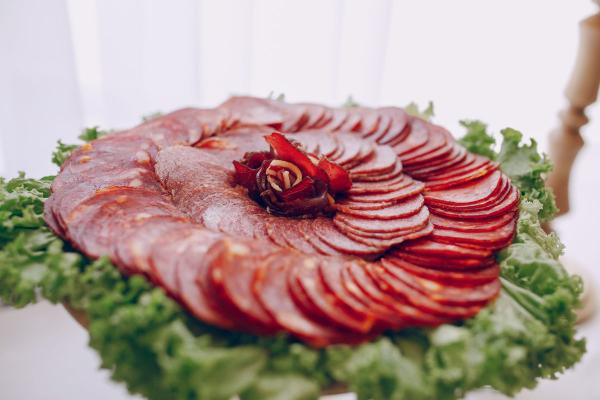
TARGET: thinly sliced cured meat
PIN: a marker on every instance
(474, 225)
(431, 247)
(467, 278)
(381, 177)
(383, 160)
(189, 266)
(391, 185)
(326, 231)
(232, 273)
(365, 120)
(417, 138)
(164, 200)
(329, 306)
(491, 240)
(470, 193)
(444, 263)
(506, 204)
(405, 208)
(164, 253)
(398, 288)
(398, 126)
(446, 294)
(271, 289)
(391, 197)
(387, 240)
(371, 288)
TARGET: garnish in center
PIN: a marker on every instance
(289, 181)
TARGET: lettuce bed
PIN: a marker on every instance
(152, 345)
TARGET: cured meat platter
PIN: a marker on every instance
(315, 227)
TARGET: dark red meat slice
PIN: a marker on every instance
(297, 238)
(231, 273)
(164, 253)
(386, 240)
(402, 309)
(470, 277)
(405, 208)
(446, 294)
(383, 160)
(491, 240)
(433, 167)
(98, 223)
(329, 234)
(417, 138)
(443, 263)
(470, 193)
(474, 225)
(132, 252)
(381, 177)
(496, 198)
(398, 126)
(365, 121)
(433, 248)
(271, 289)
(504, 205)
(437, 139)
(330, 271)
(385, 122)
(338, 118)
(327, 304)
(193, 296)
(255, 111)
(359, 188)
(390, 283)
(313, 113)
(395, 196)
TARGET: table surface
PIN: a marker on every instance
(44, 353)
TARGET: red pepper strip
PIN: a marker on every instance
(286, 151)
(303, 189)
(244, 175)
(339, 179)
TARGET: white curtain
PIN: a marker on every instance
(65, 64)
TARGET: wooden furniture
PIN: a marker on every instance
(566, 140)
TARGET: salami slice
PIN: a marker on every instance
(270, 286)
(433, 167)
(507, 204)
(330, 307)
(313, 114)
(489, 240)
(405, 208)
(391, 185)
(470, 193)
(390, 197)
(446, 294)
(329, 234)
(407, 312)
(196, 300)
(385, 121)
(472, 226)
(231, 272)
(459, 277)
(431, 247)
(382, 161)
(399, 289)
(437, 139)
(444, 263)
(166, 250)
(417, 138)
(367, 120)
(398, 127)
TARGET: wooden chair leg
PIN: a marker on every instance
(566, 140)
(581, 91)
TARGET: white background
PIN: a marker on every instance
(68, 64)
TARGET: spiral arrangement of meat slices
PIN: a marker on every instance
(411, 243)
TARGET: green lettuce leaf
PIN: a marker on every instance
(477, 139)
(427, 113)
